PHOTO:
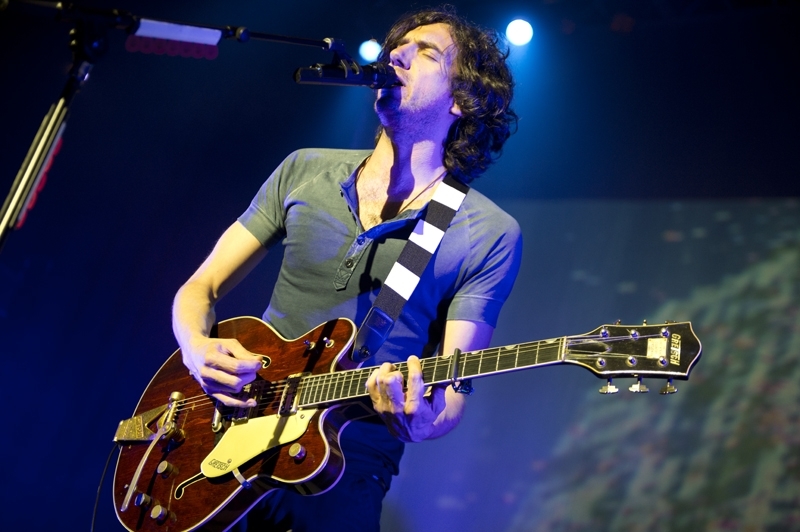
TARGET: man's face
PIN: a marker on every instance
(422, 60)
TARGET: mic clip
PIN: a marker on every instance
(343, 70)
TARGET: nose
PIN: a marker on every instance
(398, 57)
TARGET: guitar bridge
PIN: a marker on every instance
(135, 429)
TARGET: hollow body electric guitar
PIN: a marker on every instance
(189, 463)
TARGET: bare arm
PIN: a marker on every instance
(410, 415)
(221, 366)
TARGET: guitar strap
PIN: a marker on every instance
(406, 272)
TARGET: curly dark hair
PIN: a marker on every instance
(482, 87)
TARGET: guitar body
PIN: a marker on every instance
(194, 500)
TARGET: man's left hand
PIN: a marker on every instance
(405, 409)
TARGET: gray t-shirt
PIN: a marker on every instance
(333, 268)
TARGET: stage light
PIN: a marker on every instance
(369, 50)
(519, 32)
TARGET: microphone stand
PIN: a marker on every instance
(89, 42)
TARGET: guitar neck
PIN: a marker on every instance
(351, 384)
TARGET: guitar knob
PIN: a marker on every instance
(297, 451)
(166, 469)
(161, 513)
(142, 499)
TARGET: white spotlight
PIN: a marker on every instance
(519, 32)
(369, 50)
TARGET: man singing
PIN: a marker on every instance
(343, 217)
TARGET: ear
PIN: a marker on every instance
(455, 110)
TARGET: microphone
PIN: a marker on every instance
(374, 75)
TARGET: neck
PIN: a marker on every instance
(406, 164)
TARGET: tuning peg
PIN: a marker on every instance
(609, 388)
(644, 322)
(617, 322)
(639, 387)
(668, 388)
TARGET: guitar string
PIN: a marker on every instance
(313, 385)
(338, 378)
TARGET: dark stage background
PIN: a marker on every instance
(655, 176)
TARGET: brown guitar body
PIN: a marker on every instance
(192, 501)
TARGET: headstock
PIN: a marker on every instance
(667, 350)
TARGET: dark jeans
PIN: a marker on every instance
(353, 505)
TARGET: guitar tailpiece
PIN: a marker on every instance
(464, 386)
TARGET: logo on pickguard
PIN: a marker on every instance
(675, 349)
(216, 464)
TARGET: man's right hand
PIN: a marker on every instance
(222, 367)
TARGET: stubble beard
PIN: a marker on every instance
(405, 121)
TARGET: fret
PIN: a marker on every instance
(516, 356)
(347, 382)
(320, 395)
(445, 373)
(470, 364)
(333, 391)
(330, 393)
(361, 382)
(343, 386)
(504, 361)
(329, 386)
(338, 383)
(538, 345)
(350, 384)
(317, 390)
(323, 388)
(308, 390)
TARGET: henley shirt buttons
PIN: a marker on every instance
(348, 263)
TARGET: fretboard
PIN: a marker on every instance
(351, 384)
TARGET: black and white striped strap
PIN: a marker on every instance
(404, 276)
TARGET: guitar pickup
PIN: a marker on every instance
(254, 390)
(289, 397)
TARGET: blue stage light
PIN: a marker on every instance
(369, 50)
(519, 32)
